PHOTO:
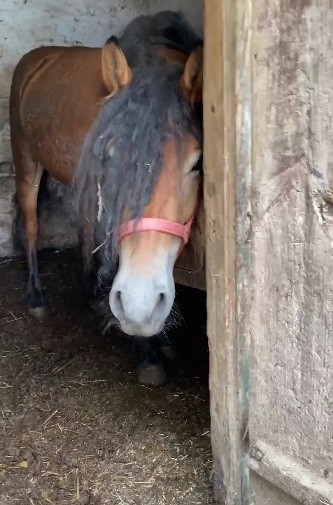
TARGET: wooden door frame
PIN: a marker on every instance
(227, 168)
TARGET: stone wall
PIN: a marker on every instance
(30, 23)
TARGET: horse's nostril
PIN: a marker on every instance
(160, 306)
(118, 304)
(161, 301)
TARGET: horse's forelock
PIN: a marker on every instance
(139, 120)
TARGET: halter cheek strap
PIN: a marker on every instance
(156, 224)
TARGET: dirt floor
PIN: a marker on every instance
(76, 427)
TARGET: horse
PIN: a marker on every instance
(122, 125)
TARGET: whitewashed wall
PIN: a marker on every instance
(25, 24)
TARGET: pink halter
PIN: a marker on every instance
(156, 224)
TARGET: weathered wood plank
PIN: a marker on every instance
(227, 159)
(291, 316)
(219, 160)
(286, 474)
(265, 493)
(243, 199)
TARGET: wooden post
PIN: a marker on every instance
(227, 159)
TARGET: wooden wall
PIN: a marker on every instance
(269, 230)
(291, 322)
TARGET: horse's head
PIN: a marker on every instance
(145, 155)
(143, 291)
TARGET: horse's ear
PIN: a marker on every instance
(115, 70)
(192, 78)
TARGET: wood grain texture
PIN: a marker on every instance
(219, 196)
(291, 317)
(265, 493)
(288, 475)
(226, 162)
(243, 224)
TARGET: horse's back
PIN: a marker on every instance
(55, 96)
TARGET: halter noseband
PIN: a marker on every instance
(182, 231)
(156, 224)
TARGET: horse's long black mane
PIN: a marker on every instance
(164, 29)
(122, 155)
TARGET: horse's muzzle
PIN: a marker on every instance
(141, 311)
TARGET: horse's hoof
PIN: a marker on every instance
(169, 352)
(152, 375)
(38, 312)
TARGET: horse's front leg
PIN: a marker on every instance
(150, 368)
(156, 357)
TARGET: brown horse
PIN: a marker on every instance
(121, 123)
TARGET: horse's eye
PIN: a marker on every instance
(193, 164)
(198, 167)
